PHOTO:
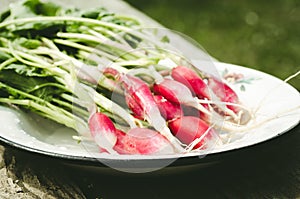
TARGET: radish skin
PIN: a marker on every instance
(167, 109)
(225, 93)
(178, 93)
(142, 141)
(192, 80)
(141, 93)
(136, 109)
(189, 128)
(136, 141)
(103, 131)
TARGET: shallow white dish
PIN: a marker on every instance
(276, 99)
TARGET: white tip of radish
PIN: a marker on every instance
(106, 141)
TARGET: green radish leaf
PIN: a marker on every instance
(97, 13)
(28, 43)
(42, 87)
(31, 8)
(22, 69)
(22, 9)
(25, 78)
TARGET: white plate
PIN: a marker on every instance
(276, 99)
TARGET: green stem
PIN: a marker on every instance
(32, 97)
(54, 114)
(73, 107)
(48, 84)
(110, 106)
(7, 62)
(116, 36)
(49, 43)
(105, 44)
(89, 49)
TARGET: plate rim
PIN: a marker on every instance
(89, 161)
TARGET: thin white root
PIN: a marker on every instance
(175, 142)
(106, 141)
(292, 76)
(158, 122)
(235, 128)
(244, 117)
(197, 140)
(272, 90)
(237, 117)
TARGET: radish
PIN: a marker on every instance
(192, 80)
(225, 93)
(142, 141)
(167, 109)
(103, 131)
(188, 129)
(135, 141)
(141, 94)
(178, 93)
(134, 107)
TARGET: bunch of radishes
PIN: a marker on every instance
(177, 111)
(183, 111)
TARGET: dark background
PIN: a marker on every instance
(264, 35)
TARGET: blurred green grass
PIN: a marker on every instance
(264, 35)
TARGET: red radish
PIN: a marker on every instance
(167, 109)
(142, 141)
(141, 93)
(134, 107)
(177, 93)
(224, 92)
(189, 128)
(192, 80)
(135, 141)
(103, 131)
(172, 91)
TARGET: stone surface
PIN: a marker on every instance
(30, 177)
